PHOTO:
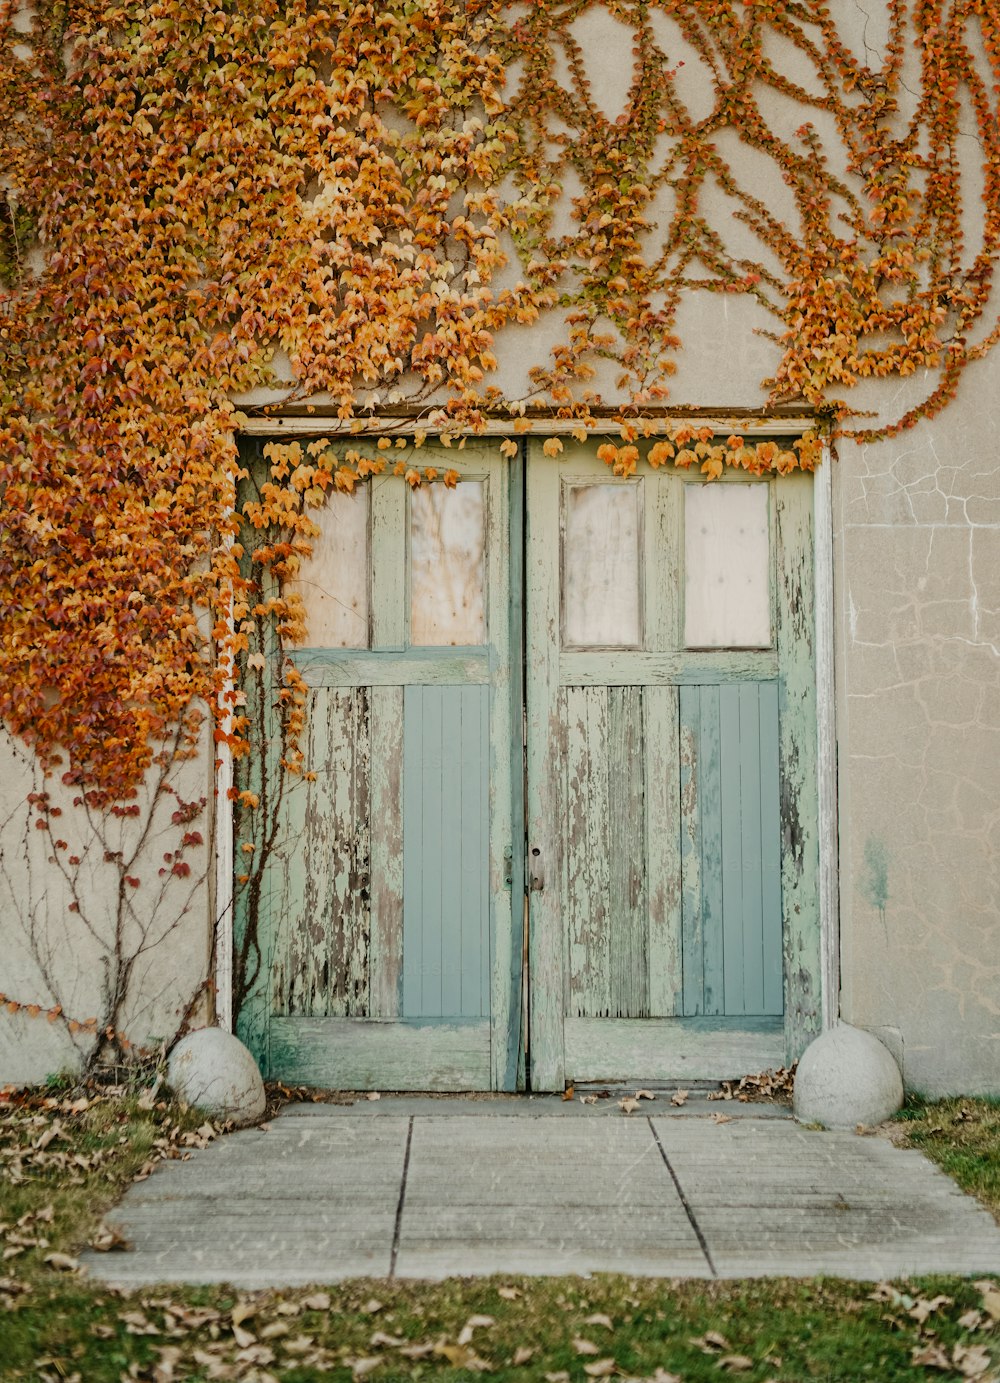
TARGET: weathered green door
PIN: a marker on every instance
(379, 939)
(672, 846)
(668, 843)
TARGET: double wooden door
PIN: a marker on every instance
(562, 824)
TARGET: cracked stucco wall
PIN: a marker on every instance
(917, 574)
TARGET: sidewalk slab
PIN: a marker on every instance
(785, 1200)
(542, 1197)
(330, 1192)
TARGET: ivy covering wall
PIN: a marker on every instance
(371, 197)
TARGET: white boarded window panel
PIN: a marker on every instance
(447, 564)
(333, 582)
(601, 584)
(727, 592)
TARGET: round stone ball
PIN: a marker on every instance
(846, 1077)
(213, 1070)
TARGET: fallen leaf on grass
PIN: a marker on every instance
(923, 1308)
(991, 1298)
(930, 1357)
(522, 1355)
(371, 1307)
(417, 1351)
(473, 1323)
(381, 1340)
(972, 1361)
(585, 1346)
(600, 1368)
(971, 1320)
(598, 1318)
(62, 1262)
(734, 1363)
(163, 1369)
(509, 1293)
(559, 1376)
(462, 1357)
(107, 1239)
(710, 1343)
(361, 1368)
(320, 1301)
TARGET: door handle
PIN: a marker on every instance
(536, 871)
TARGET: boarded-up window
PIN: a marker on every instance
(727, 592)
(601, 592)
(333, 582)
(447, 564)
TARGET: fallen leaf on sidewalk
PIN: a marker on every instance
(569, 1092)
(722, 1118)
(108, 1239)
(627, 1105)
(679, 1097)
(588, 1099)
(646, 1095)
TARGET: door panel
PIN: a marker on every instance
(665, 761)
(384, 914)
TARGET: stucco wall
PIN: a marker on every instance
(917, 572)
(917, 629)
(66, 928)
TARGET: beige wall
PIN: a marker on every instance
(917, 573)
(917, 630)
(51, 955)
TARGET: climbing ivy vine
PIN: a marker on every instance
(357, 202)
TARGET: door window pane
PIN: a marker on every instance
(447, 564)
(333, 582)
(600, 566)
(727, 592)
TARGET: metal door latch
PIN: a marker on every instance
(508, 867)
(536, 873)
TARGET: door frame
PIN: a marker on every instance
(801, 561)
(221, 882)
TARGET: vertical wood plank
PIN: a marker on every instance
(455, 746)
(627, 922)
(660, 712)
(546, 750)
(586, 850)
(386, 952)
(710, 767)
(750, 822)
(413, 850)
(693, 946)
(798, 780)
(770, 849)
(732, 850)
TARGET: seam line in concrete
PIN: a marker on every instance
(684, 1200)
(402, 1197)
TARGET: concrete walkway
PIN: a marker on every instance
(427, 1188)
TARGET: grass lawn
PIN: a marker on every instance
(65, 1157)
